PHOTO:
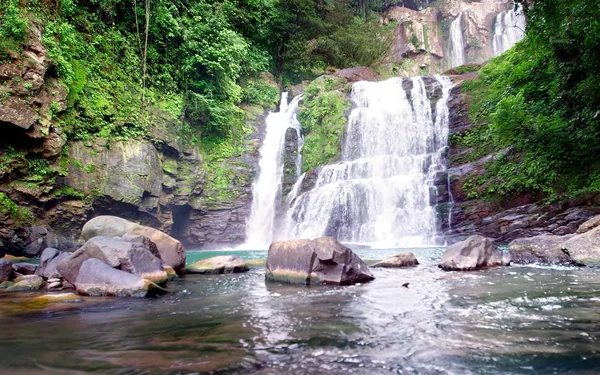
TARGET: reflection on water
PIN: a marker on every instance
(516, 320)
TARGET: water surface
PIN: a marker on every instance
(514, 320)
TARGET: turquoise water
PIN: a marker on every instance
(512, 320)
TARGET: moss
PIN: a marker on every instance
(16, 213)
(170, 166)
(322, 116)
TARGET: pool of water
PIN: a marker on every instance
(512, 320)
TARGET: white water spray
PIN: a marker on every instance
(509, 28)
(456, 45)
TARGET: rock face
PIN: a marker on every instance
(584, 249)
(474, 253)
(96, 278)
(5, 270)
(312, 262)
(544, 249)
(171, 251)
(398, 261)
(218, 265)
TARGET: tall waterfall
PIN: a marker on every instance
(266, 189)
(381, 192)
(456, 45)
(509, 28)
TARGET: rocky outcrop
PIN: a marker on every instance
(584, 249)
(544, 249)
(476, 252)
(218, 265)
(398, 261)
(96, 278)
(171, 251)
(312, 262)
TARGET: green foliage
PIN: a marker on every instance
(14, 23)
(323, 121)
(69, 192)
(259, 92)
(16, 213)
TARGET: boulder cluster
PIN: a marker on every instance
(118, 258)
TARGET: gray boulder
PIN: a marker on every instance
(49, 261)
(584, 249)
(171, 251)
(97, 278)
(5, 269)
(319, 261)
(25, 268)
(398, 261)
(133, 257)
(218, 265)
(544, 249)
(474, 253)
(70, 266)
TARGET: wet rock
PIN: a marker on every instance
(589, 225)
(584, 249)
(5, 269)
(474, 253)
(171, 251)
(132, 257)
(356, 74)
(398, 261)
(218, 265)
(46, 299)
(69, 267)
(97, 278)
(25, 268)
(6, 284)
(171, 274)
(544, 249)
(311, 262)
(24, 283)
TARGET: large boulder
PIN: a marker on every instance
(171, 251)
(319, 261)
(544, 249)
(474, 253)
(97, 278)
(398, 261)
(69, 268)
(5, 270)
(49, 261)
(133, 257)
(584, 249)
(218, 265)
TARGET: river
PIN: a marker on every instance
(511, 320)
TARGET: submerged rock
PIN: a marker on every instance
(46, 299)
(5, 269)
(218, 265)
(171, 251)
(311, 262)
(474, 253)
(544, 249)
(24, 283)
(97, 278)
(398, 261)
(584, 249)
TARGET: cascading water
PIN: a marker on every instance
(266, 189)
(509, 28)
(456, 44)
(381, 192)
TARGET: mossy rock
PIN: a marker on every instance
(46, 299)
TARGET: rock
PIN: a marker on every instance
(70, 266)
(544, 249)
(397, 261)
(584, 249)
(41, 301)
(49, 261)
(319, 261)
(218, 265)
(24, 283)
(25, 268)
(5, 269)
(6, 284)
(15, 259)
(171, 251)
(132, 257)
(54, 280)
(589, 225)
(171, 274)
(97, 278)
(474, 253)
(54, 285)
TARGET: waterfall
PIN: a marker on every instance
(456, 48)
(381, 192)
(266, 189)
(509, 28)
